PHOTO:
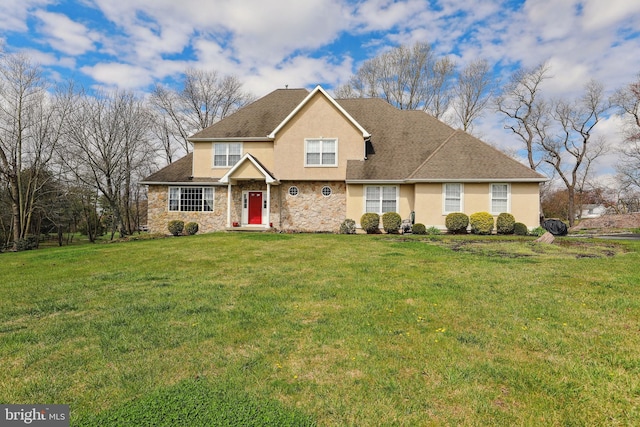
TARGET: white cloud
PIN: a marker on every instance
(600, 14)
(14, 13)
(119, 75)
(65, 35)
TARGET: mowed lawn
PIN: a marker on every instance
(304, 329)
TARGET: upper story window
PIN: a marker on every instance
(191, 199)
(381, 199)
(226, 154)
(452, 194)
(321, 152)
(500, 198)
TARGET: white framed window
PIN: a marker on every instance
(226, 154)
(191, 199)
(381, 198)
(452, 197)
(500, 198)
(293, 190)
(326, 191)
(321, 152)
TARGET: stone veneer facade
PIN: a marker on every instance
(308, 211)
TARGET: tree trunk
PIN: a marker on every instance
(571, 205)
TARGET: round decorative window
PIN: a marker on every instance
(293, 190)
(326, 191)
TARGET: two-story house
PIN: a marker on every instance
(296, 160)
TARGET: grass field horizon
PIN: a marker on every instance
(311, 329)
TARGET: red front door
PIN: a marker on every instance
(255, 207)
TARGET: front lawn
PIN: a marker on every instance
(277, 329)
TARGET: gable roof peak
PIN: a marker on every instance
(316, 90)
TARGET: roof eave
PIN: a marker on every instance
(376, 181)
(182, 183)
(510, 180)
(233, 139)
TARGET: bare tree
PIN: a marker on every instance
(473, 91)
(31, 127)
(205, 98)
(568, 147)
(627, 103)
(407, 77)
(524, 109)
(109, 139)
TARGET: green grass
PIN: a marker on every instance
(282, 329)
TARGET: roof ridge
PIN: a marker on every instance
(420, 166)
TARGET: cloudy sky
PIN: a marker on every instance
(133, 44)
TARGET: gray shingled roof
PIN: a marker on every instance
(257, 119)
(464, 157)
(405, 145)
(180, 171)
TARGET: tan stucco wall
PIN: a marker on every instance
(356, 205)
(426, 200)
(202, 161)
(203, 157)
(428, 205)
(524, 202)
(247, 170)
(318, 118)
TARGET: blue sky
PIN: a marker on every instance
(268, 44)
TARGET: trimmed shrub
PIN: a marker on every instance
(370, 222)
(457, 223)
(520, 229)
(481, 223)
(191, 228)
(433, 231)
(348, 226)
(505, 223)
(175, 227)
(391, 222)
(419, 229)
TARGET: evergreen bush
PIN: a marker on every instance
(370, 222)
(391, 222)
(419, 229)
(175, 227)
(191, 228)
(505, 223)
(520, 229)
(457, 222)
(481, 223)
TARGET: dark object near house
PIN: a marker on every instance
(555, 227)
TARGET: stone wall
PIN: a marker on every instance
(308, 211)
(159, 215)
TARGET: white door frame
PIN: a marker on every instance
(245, 207)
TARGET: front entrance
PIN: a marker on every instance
(253, 207)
